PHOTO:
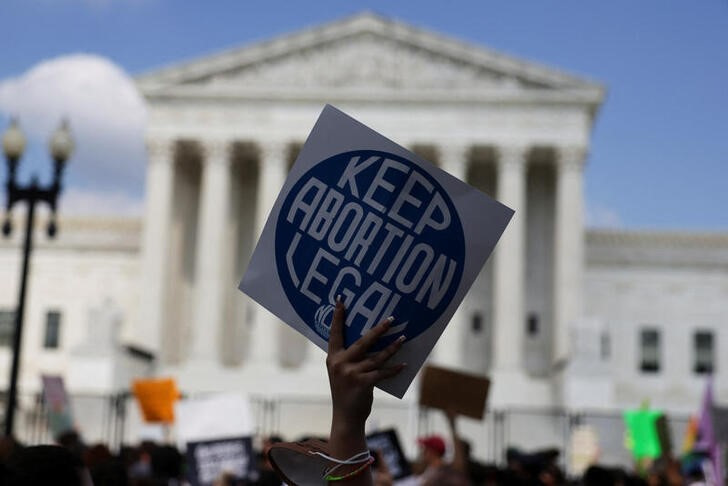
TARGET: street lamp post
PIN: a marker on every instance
(61, 146)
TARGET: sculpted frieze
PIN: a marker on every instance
(364, 61)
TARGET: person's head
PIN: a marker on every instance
(433, 449)
(71, 440)
(47, 464)
(9, 446)
(166, 462)
(598, 476)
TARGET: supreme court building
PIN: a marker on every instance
(561, 315)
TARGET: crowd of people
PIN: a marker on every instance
(343, 457)
(150, 464)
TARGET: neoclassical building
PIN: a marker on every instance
(223, 131)
(561, 316)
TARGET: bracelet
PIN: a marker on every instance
(359, 470)
(362, 457)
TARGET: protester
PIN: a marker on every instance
(352, 376)
(432, 453)
(105, 469)
(353, 372)
(46, 464)
(436, 470)
(380, 471)
(266, 475)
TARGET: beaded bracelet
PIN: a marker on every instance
(359, 470)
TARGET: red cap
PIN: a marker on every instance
(433, 442)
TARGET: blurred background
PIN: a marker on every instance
(604, 124)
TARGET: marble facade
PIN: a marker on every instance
(223, 131)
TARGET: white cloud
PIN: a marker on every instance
(599, 216)
(107, 116)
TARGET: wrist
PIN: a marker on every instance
(347, 437)
(345, 423)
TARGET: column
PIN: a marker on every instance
(271, 176)
(155, 243)
(509, 265)
(568, 247)
(272, 172)
(210, 262)
(449, 351)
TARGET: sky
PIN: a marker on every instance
(659, 152)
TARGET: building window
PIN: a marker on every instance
(605, 346)
(52, 330)
(650, 350)
(477, 323)
(704, 352)
(532, 325)
(7, 326)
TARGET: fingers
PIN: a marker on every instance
(336, 332)
(362, 345)
(375, 376)
(377, 360)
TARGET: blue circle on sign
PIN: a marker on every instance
(380, 231)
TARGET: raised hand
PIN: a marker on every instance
(352, 376)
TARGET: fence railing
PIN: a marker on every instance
(115, 420)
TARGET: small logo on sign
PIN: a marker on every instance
(323, 317)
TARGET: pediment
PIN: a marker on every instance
(363, 52)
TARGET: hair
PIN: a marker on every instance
(45, 464)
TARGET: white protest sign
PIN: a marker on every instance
(364, 217)
(212, 417)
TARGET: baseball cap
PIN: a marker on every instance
(433, 442)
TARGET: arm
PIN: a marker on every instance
(459, 461)
(352, 376)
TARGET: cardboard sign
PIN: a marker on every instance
(362, 217)
(208, 461)
(642, 435)
(156, 399)
(662, 428)
(58, 407)
(462, 393)
(386, 442)
(216, 416)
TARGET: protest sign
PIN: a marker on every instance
(208, 461)
(386, 442)
(216, 416)
(156, 399)
(662, 428)
(362, 217)
(58, 407)
(642, 434)
(462, 393)
(720, 423)
(584, 449)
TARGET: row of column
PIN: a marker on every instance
(208, 306)
(510, 258)
(210, 258)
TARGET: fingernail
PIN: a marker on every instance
(338, 298)
(390, 318)
(401, 338)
